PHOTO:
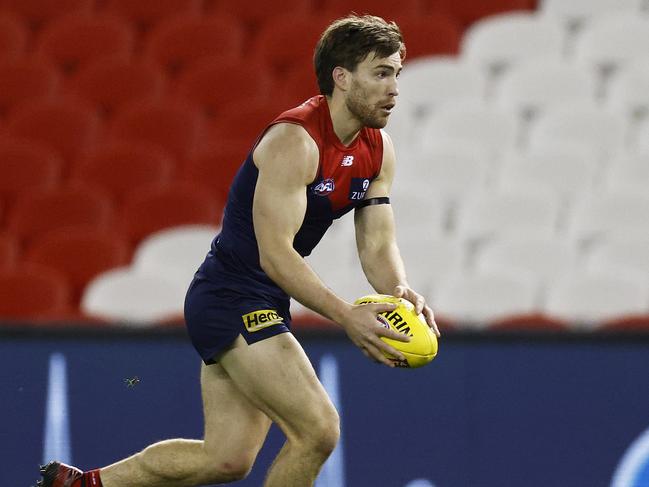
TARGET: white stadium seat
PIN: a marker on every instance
(533, 86)
(543, 259)
(600, 215)
(499, 41)
(565, 171)
(577, 11)
(628, 174)
(628, 91)
(121, 295)
(495, 214)
(642, 138)
(579, 124)
(475, 300)
(610, 41)
(587, 299)
(474, 124)
(628, 255)
(419, 213)
(174, 254)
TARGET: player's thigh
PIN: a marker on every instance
(235, 429)
(276, 375)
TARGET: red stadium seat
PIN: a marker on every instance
(154, 207)
(43, 210)
(26, 165)
(253, 14)
(529, 322)
(40, 12)
(26, 80)
(146, 13)
(296, 86)
(73, 41)
(178, 41)
(468, 11)
(244, 121)
(278, 32)
(8, 252)
(627, 324)
(382, 8)
(13, 37)
(79, 254)
(114, 82)
(175, 127)
(32, 292)
(430, 34)
(215, 168)
(213, 82)
(68, 125)
(121, 167)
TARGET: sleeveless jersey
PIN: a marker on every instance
(343, 176)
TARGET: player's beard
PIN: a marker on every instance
(367, 114)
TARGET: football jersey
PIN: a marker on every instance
(343, 177)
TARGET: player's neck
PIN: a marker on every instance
(346, 126)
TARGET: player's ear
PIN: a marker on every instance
(342, 78)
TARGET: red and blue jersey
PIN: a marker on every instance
(343, 177)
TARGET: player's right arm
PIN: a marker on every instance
(287, 160)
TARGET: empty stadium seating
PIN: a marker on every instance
(38, 13)
(9, 249)
(146, 13)
(24, 80)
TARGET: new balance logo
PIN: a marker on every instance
(347, 161)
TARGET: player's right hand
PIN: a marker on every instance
(365, 331)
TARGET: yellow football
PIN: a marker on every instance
(422, 347)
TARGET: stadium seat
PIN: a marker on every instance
(147, 13)
(451, 171)
(628, 174)
(382, 8)
(41, 210)
(26, 165)
(627, 92)
(500, 41)
(529, 88)
(214, 167)
(111, 83)
(40, 12)
(122, 167)
(542, 258)
(622, 254)
(79, 254)
(296, 86)
(602, 214)
(174, 254)
(154, 207)
(422, 215)
(13, 38)
(642, 138)
(500, 214)
(628, 324)
(610, 41)
(73, 41)
(469, 11)
(178, 41)
(243, 121)
(586, 299)
(477, 299)
(26, 80)
(477, 124)
(32, 293)
(566, 172)
(235, 80)
(9, 250)
(579, 124)
(279, 31)
(576, 12)
(175, 127)
(253, 15)
(120, 295)
(66, 124)
(428, 82)
(429, 34)
(528, 322)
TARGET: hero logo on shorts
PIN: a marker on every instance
(260, 319)
(324, 187)
(347, 161)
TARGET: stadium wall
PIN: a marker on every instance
(491, 410)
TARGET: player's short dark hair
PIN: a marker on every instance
(348, 41)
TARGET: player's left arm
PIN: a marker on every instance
(377, 244)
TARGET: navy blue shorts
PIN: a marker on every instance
(216, 315)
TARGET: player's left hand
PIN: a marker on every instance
(420, 305)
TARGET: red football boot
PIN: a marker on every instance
(57, 474)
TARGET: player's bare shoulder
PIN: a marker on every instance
(287, 147)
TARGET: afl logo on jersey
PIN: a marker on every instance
(324, 187)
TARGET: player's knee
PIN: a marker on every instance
(231, 469)
(325, 431)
